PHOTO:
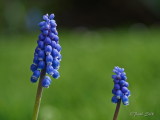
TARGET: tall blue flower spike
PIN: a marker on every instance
(47, 53)
(120, 90)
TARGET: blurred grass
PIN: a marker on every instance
(83, 91)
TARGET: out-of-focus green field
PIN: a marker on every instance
(83, 91)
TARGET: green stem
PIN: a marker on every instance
(38, 96)
(117, 110)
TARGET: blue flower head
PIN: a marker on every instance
(47, 53)
(120, 90)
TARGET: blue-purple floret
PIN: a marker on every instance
(120, 90)
(47, 53)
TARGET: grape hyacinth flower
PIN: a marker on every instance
(47, 57)
(120, 91)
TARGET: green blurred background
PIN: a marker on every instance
(95, 36)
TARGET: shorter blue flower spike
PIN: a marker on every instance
(47, 55)
(120, 90)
